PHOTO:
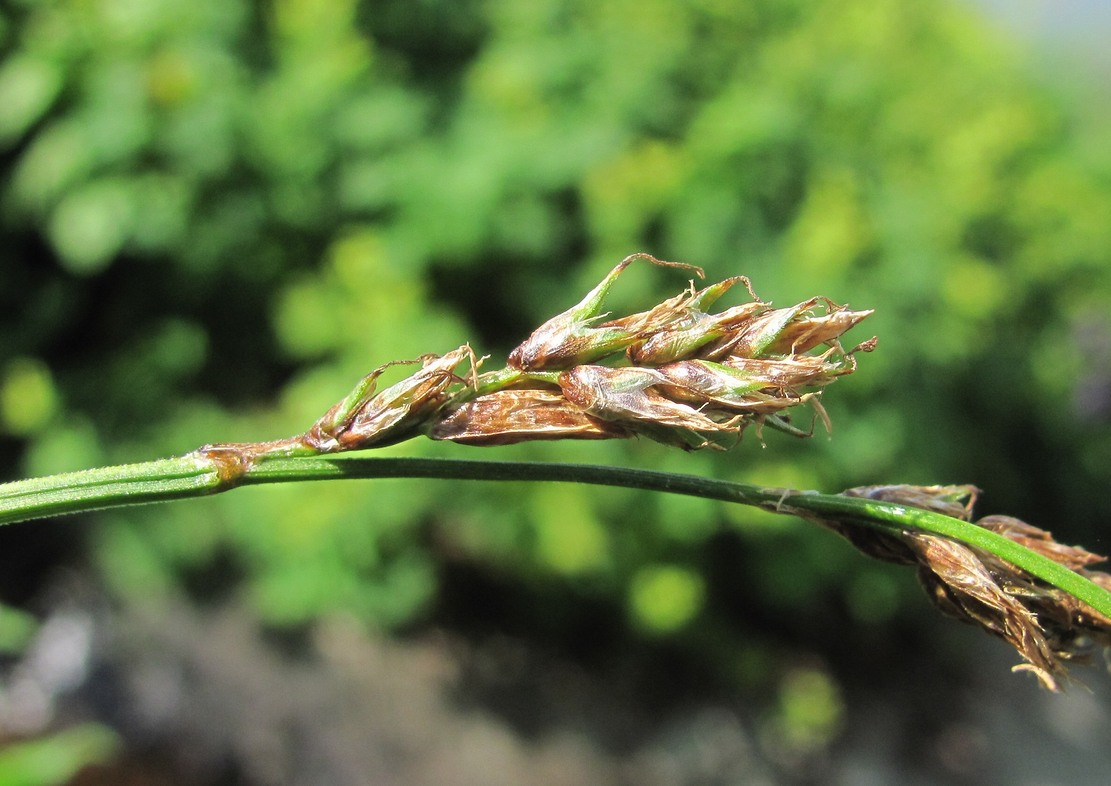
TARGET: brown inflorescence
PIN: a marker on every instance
(507, 416)
(1048, 627)
(365, 419)
(675, 373)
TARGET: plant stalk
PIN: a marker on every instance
(196, 475)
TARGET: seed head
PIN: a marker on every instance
(693, 328)
(695, 378)
(1048, 627)
(508, 416)
(630, 397)
(753, 338)
(365, 419)
(808, 331)
(570, 339)
(716, 387)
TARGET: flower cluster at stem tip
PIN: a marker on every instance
(676, 373)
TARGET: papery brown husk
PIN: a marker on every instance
(1048, 627)
(629, 395)
(573, 337)
(394, 414)
(960, 583)
(506, 417)
(688, 337)
(810, 331)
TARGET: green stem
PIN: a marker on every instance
(108, 487)
(196, 475)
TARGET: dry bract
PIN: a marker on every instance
(811, 331)
(569, 339)
(508, 416)
(691, 327)
(631, 397)
(1048, 627)
(364, 419)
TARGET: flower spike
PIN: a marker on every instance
(364, 419)
(689, 378)
(568, 339)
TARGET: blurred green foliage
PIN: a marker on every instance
(16, 629)
(58, 758)
(219, 214)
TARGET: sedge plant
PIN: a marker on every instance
(681, 374)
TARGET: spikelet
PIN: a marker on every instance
(676, 373)
(1047, 627)
(689, 377)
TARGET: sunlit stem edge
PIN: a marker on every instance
(194, 476)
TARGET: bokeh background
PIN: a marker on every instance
(216, 216)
